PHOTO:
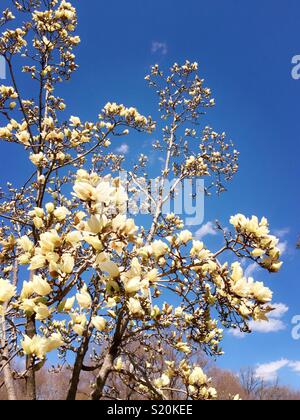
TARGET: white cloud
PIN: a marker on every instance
(266, 327)
(269, 372)
(281, 233)
(282, 246)
(280, 309)
(251, 269)
(274, 325)
(295, 366)
(123, 149)
(207, 229)
(159, 47)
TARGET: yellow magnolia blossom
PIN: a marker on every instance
(7, 291)
(135, 307)
(99, 323)
(40, 346)
(40, 286)
(67, 263)
(84, 299)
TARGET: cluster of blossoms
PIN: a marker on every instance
(257, 235)
(13, 41)
(7, 93)
(130, 115)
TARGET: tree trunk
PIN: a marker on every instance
(110, 358)
(103, 376)
(30, 377)
(78, 368)
(7, 373)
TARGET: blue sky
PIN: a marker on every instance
(244, 50)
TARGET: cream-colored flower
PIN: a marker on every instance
(85, 191)
(183, 347)
(28, 305)
(74, 238)
(135, 307)
(237, 272)
(185, 236)
(27, 290)
(37, 159)
(84, 298)
(99, 323)
(162, 382)
(54, 342)
(94, 241)
(38, 261)
(159, 248)
(260, 292)
(67, 264)
(40, 286)
(109, 267)
(197, 377)
(42, 312)
(132, 285)
(61, 213)
(7, 291)
(67, 305)
(49, 241)
(50, 208)
(25, 244)
(96, 224)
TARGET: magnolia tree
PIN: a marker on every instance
(78, 276)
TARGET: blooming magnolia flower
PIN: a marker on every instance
(79, 323)
(27, 290)
(25, 244)
(74, 238)
(85, 191)
(109, 267)
(61, 213)
(42, 312)
(261, 293)
(84, 299)
(67, 305)
(132, 285)
(7, 291)
(94, 241)
(183, 347)
(99, 323)
(40, 346)
(67, 264)
(135, 307)
(40, 286)
(197, 377)
(38, 261)
(159, 248)
(50, 207)
(162, 382)
(185, 236)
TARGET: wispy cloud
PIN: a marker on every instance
(295, 366)
(281, 233)
(274, 325)
(269, 372)
(280, 309)
(207, 229)
(283, 246)
(251, 269)
(123, 149)
(159, 47)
